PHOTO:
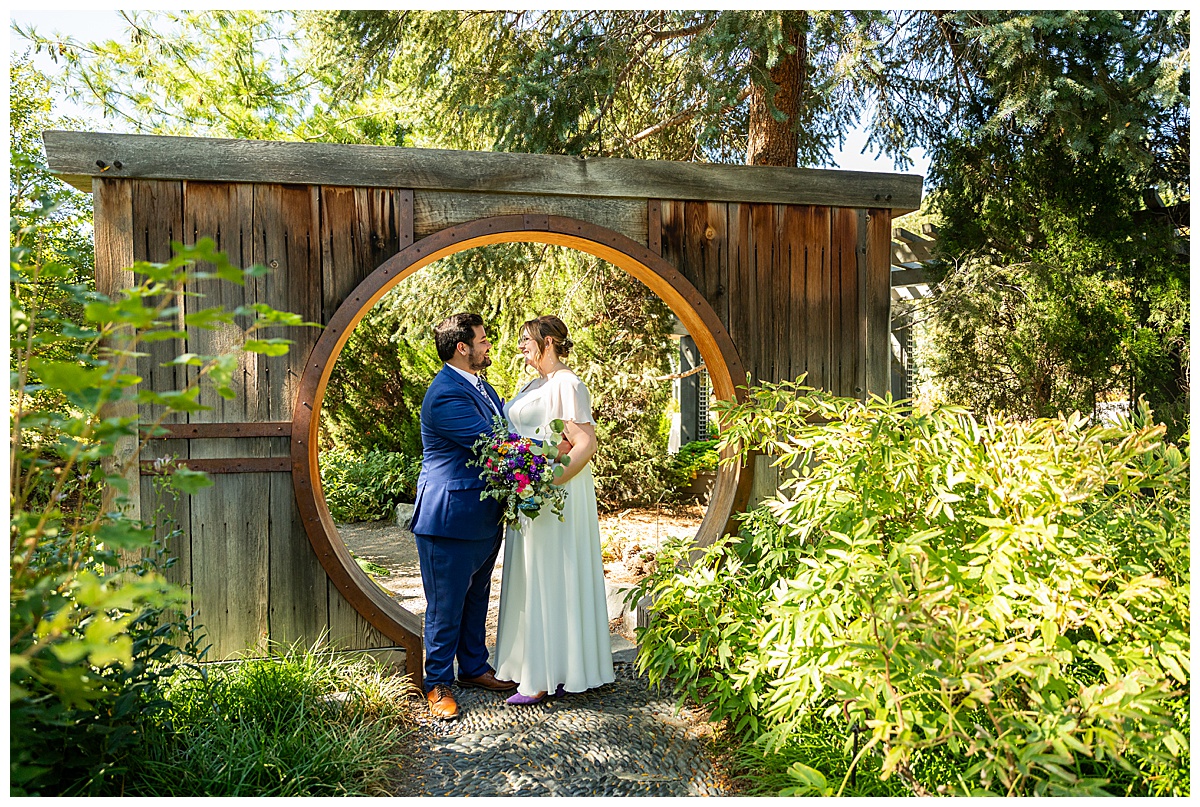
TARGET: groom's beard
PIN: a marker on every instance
(478, 361)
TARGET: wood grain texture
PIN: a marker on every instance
(230, 520)
(203, 431)
(790, 240)
(742, 298)
(221, 465)
(764, 322)
(286, 241)
(298, 609)
(73, 155)
(845, 269)
(223, 213)
(879, 301)
(816, 290)
(437, 210)
(113, 203)
(157, 221)
(654, 225)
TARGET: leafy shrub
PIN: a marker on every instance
(92, 620)
(373, 399)
(297, 725)
(694, 458)
(367, 487)
(1013, 595)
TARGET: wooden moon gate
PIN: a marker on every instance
(774, 271)
(716, 348)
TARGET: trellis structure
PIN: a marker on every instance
(773, 271)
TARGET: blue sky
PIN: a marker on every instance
(107, 24)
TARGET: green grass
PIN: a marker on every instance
(268, 727)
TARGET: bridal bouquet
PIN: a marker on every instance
(519, 472)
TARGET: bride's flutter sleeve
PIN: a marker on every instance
(574, 400)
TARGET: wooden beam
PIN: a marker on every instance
(188, 431)
(910, 277)
(77, 157)
(224, 465)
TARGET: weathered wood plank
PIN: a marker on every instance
(230, 571)
(849, 347)
(225, 214)
(910, 277)
(436, 210)
(286, 234)
(780, 339)
(229, 524)
(344, 260)
(790, 238)
(347, 629)
(863, 303)
(742, 297)
(299, 607)
(879, 301)
(765, 323)
(157, 221)
(654, 225)
(73, 155)
(170, 511)
(671, 233)
(816, 230)
(113, 203)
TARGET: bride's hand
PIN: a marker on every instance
(564, 447)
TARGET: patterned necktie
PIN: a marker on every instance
(483, 392)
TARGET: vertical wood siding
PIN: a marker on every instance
(243, 553)
(801, 289)
(788, 282)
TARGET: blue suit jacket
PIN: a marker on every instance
(453, 415)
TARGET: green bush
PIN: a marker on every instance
(274, 727)
(1011, 595)
(367, 487)
(94, 627)
(694, 458)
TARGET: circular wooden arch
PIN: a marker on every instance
(716, 349)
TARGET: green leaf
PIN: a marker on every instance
(159, 336)
(269, 347)
(68, 376)
(189, 481)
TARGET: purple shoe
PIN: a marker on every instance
(529, 700)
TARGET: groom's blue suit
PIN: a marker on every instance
(458, 536)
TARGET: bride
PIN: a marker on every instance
(553, 631)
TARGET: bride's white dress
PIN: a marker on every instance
(553, 625)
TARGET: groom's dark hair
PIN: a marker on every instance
(452, 330)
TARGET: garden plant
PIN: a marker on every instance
(969, 606)
(103, 662)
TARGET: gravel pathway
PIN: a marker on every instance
(621, 739)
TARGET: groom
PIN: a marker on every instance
(458, 536)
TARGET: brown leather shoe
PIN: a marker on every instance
(488, 681)
(441, 702)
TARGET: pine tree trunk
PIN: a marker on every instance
(774, 142)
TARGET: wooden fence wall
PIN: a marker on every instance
(800, 288)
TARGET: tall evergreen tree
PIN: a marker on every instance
(1063, 288)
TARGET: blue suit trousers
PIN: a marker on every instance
(457, 578)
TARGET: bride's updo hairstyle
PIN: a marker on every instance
(553, 327)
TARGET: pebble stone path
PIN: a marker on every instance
(622, 739)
